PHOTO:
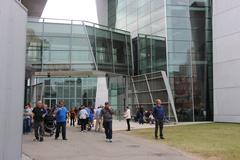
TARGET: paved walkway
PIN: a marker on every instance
(92, 146)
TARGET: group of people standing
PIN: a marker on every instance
(103, 116)
(39, 113)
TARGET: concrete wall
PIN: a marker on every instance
(12, 68)
(102, 11)
(226, 60)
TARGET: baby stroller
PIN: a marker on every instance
(49, 124)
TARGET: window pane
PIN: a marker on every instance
(51, 29)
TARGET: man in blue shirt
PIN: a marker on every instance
(61, 117)
(159, 115)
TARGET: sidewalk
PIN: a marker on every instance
(92, 146)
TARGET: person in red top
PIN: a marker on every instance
(72, 117)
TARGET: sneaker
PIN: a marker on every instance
(162, 138)
(107, 140)
(110, 140)
(41, 139)
(65, 139)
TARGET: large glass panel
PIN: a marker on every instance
(145, 30)
(156, 84)
(143, 21)
(129, 53)
(119, 48)
(144, 10)
(199, 2)
(72, 92)
(104, 50)
(179, 46)
(66, 92)
(57, 43)
(59, 91)
(47, 91)
(34, 28)
(121, 14)
(144, 98)
(179, 22)
(178, 2)
(179, 58)
(78, 31)
(145, 55)
(141, 86)
(53, 91)
(178, 11)
(158, 14)
(158, 25)
(131, 7)
(159, 60)
(80, 44)
(52, 29)
(160, 94)
(179, 34)
(121, 4)
(179, 70)
(57, 56)
(83, 56)
(183, 97)
(155, 4)
(131, 18)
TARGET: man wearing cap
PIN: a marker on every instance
(107, 113)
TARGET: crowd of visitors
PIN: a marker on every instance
(54, 120)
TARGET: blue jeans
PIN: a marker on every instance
(26, 125)
(108, 129)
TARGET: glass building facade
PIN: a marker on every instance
(58, 45)
(74, 91)
(186, 27)
(65, 58)
(149, 54)
(138, 16)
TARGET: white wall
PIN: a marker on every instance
(226, 60)
(12, 71)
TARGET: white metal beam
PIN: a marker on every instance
(170, 95)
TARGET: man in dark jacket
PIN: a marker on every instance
(158, 114)
(107, 113)
(38, 116)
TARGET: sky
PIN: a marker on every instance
(71, 9)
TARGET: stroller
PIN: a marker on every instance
(49, 124)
